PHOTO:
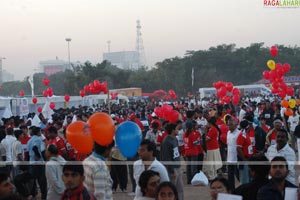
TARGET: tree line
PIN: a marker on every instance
(226, 62)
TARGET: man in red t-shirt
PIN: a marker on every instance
(244, 150)
(54, 138)
(26, 138)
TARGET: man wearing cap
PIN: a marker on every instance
(271, 135)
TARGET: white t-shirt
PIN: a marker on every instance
(7, 143)
(231, 146)
(17, 149)
(293, 121)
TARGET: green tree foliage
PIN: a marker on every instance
(224, 62)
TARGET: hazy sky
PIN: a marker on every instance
(35, 30)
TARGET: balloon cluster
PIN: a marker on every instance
(289, 105)
(172, 94)
(223, 92)
(166, 112)
(114, 95)
(48, 92)
(276, 75)
(94, 87)
(101, 129)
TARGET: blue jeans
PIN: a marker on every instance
(244, 174)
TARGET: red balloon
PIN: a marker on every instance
(22, 93)
(102, 128)
(67, 98)
(229, 86)
(275, 85)
(82, 93)
(226, 99)
(266, 74)
(222, 91)
(34, 100)
(52, 105)
(45, 93)
(39, 109)
(290, 91)
(79, 137)
(286, 67)
(274, 51)
(272, 75)
(50, 94)
(158, 111)
(49, 89)
(236, 99)
(281, 94)
(166, 109)
(215, 85)
(46, 81)
(173, 116)
(219, 84)
(96, 83)
(86, 88)
(236, 92)
(283, 86)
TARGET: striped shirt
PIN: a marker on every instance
(97, 177)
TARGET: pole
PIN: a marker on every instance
(69, 55)
(1, 70)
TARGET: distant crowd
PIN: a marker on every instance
(226, 142)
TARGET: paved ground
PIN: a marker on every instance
(190, 192)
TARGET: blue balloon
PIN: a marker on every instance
(128, 137)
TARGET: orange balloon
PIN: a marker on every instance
(79, 137)
(288, 112)
(102, 128)
(285, 103)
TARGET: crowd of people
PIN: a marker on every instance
(223, 141)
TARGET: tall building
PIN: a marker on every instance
(132, 60)
(123, 59)
(50, 67)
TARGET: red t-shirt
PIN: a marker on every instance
(252, 138)
(244, 141)
(190, 144)
(213, 143)
(266, 128)
(219, 122)
(60, 143)
(224, 130)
